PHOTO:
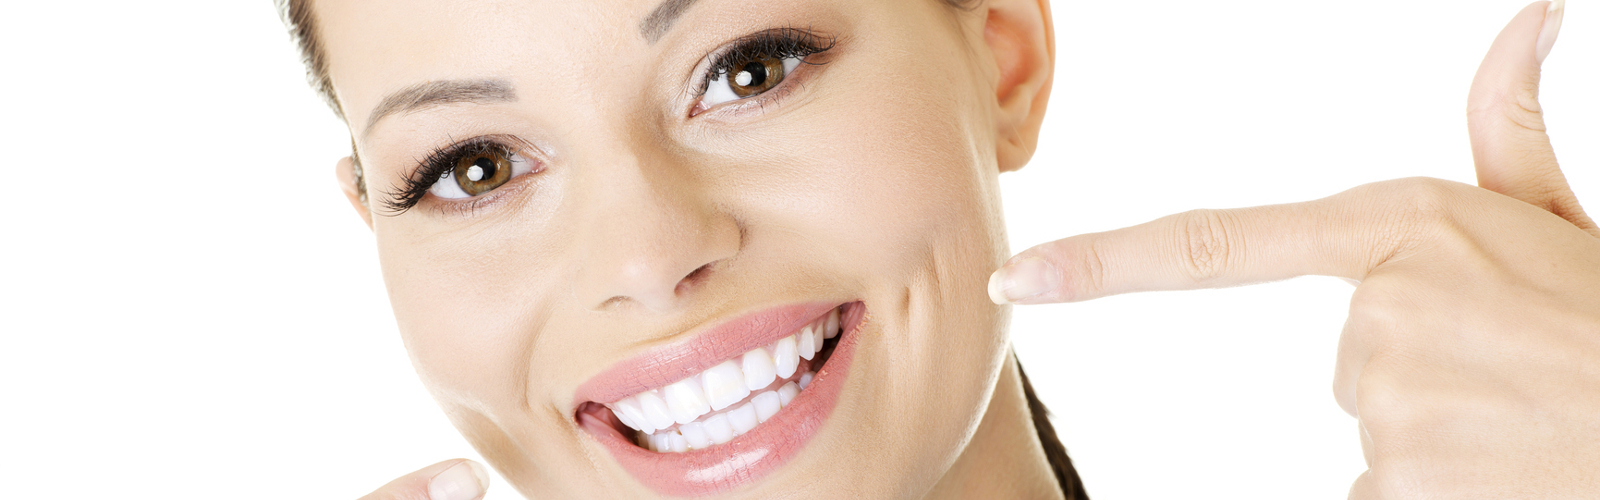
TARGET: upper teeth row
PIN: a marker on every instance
(722, 426)
(730, 382)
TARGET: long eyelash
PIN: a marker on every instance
(438, 163)
(781, 43)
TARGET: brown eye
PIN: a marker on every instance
(756, 76)
(479, 173)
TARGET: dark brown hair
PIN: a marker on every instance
(299, 17)
(1054, 452)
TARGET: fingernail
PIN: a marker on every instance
(463, 481)
(1552, 27)
(1022, 280)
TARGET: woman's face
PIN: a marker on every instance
(616, 201)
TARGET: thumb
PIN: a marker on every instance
(1509, 144)
(458, 479)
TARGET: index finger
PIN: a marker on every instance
(458, 479)
(1345, 235)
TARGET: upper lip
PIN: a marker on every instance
(698, 351)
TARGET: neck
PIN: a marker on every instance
(1004, 459)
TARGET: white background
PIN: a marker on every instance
(190, 310)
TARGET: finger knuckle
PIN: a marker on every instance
(1516, 105)
(1374, 308)
(1420, 207)
(1205, 243)
(1093, 268)
(1384, 405)
(1380, 407)
(1426, 198)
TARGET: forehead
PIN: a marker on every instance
(374, 47)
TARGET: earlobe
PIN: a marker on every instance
(1020, 38)
(350, 182)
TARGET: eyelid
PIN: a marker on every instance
(811, 42)
(414, 187)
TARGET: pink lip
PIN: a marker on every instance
(749, 457)
(668, 364)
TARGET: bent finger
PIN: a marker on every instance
(1510, 148)
(458, 479)
(1352, 358)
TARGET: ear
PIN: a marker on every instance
(1021, 38)
(349, 175)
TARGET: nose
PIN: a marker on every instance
(653, 238)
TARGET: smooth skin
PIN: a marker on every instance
(1471, 356)
(647, 223)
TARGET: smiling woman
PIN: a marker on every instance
(735, 248)
(625, 266)
(191, 311)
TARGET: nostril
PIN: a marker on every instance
(696, 276)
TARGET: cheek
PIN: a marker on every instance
(887, 177)
(894, 193)
(468, 305)
(913, 213)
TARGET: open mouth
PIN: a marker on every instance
(728, 405)
(714, 406)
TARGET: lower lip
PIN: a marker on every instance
(751, 456)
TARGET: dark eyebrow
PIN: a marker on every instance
(440, 92)
(660, 20)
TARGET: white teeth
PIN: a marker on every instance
(806, 342)
(625, 420)
(695, 435)
(787, 393)
(766, 404)
(724, 385)
(628, 412)
(685, 399)
(786, 356)
(758, 369)
(676, 443)
(699, 412)
(655, 410)
(743, 418)
(718, 428)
